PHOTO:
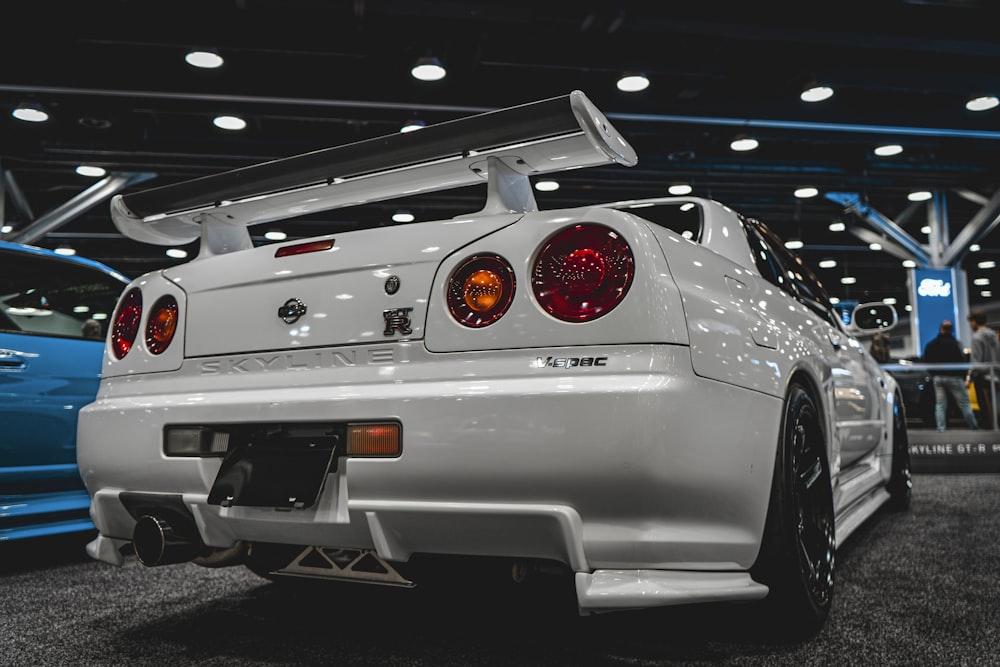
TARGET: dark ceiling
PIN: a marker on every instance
(309, 74)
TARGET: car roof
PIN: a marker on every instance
(43, 252)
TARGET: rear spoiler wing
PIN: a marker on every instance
(501, 148)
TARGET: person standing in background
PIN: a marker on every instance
(945, 350)
(985, 350)
(880, 348)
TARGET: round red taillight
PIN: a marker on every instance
(582, 273)
(125, 325)
(162, 324)
(480, 290)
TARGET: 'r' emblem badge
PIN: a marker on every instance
(397, 319)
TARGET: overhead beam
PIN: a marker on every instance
(979, 227)
(851, 201)
(60, 215)
(17, 195)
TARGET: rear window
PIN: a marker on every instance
(678, 216)
(53, 297)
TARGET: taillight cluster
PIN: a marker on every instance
(480, 290)
(580, 274)
(161, 324)
(126, 323)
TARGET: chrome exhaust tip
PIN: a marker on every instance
(156, 542)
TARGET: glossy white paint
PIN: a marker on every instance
(648, 474)
(480, 429)
(606, 590)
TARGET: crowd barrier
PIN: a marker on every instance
(958, 448)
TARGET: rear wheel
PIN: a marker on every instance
(900, 480)
(797, 552)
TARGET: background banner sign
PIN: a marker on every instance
(936, 295)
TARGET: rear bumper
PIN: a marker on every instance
(634, 463)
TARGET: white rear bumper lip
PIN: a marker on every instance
(606, 590)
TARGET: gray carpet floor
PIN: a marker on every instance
(916, 588)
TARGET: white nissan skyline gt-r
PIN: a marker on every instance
(654, 396)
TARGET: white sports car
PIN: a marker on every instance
(654, 396)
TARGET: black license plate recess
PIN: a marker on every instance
(283, 466)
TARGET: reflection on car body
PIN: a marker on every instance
(51, 347)
(653, 396)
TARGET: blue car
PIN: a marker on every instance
(54, 312)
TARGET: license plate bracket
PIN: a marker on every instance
(283, 467)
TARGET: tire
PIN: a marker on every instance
(796, 560)
(900, 479)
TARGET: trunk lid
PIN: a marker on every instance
(233, 300)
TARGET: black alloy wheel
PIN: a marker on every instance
(900, 480)
(797, 554)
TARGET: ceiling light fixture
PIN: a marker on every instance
(837, 226)
(888, 150)
(890, 301)
(680, 189)
(909, 264)
(848, 280)
(806, 193)
(275, 235)
(204, 59)
(744, 143)
(411, 125)
(233, 123)
(6, 229)
(428, 68)
(91, 171)
(987, 264)
(176, 253)
(827, 263)
(982, 103)
(875, 246)
(975, 247)
(402, 215)
(547, 186)
(986, 294)
(919, 195)
(794, 244)
(65, 251)
(981, 282)
(633, 83)
(30, 112)
(816, 93)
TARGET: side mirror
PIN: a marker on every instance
(871, 317)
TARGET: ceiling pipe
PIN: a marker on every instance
(77, 205)
(464, 110)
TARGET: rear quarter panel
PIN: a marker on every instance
(650, 313)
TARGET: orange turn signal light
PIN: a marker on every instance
(381, 439)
